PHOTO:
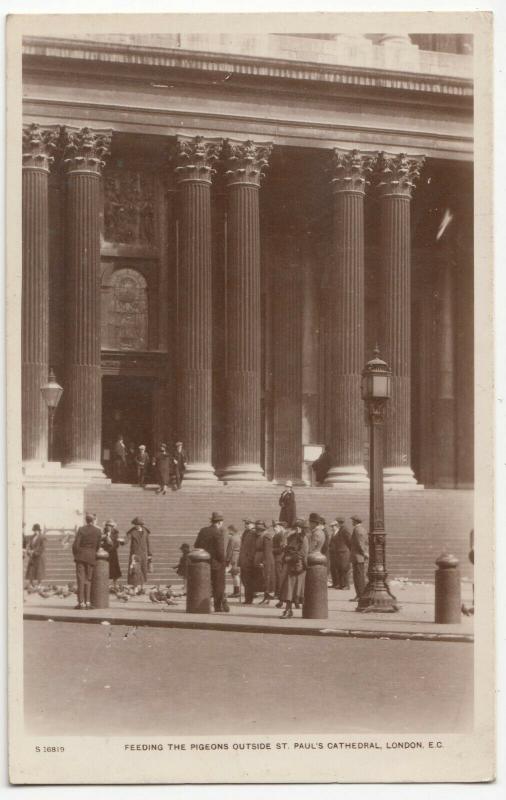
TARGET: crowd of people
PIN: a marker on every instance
(130, 464)
(271, 561)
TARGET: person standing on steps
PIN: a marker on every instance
(322, 465)
(359, 551)
(288, 510)
(138, 536)
(119, 461)
(179, 462)
(247, 560)
(141, 465)
(232, 558)
(212, 540)
(84, 549)
(163, 467)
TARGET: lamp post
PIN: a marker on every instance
(51, 392)
(376, 391)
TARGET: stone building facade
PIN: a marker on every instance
(218, 230)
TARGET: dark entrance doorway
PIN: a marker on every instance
(127, 409)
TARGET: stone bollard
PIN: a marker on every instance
(447, 601)
(100, 580)
(198, 584)
(315, 604)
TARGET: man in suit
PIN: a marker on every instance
(247, 560)
(212, 540)
(288, 508)
(179, 462)
(339, 551)
(84, 549)
(142, 465)
(119, 461)
(359, 551)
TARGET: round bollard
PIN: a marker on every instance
(447, 601)
(198, 584)
(100, 580)
(315, 604)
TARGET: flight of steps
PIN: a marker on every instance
(420, 524)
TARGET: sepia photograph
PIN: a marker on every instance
(245, 476)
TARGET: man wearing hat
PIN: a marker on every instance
(212, 540)
(179, 462)
(267, 563)
(232, 558)
(163, 467)
(317, 534)
(247, 559)
(138, 536)
(359, 551)
(278, 546)
(84, 549)
(339, 553)
(288, 510)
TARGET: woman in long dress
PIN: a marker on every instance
(139, 547)
(112, 544)
(294, 565)
(36, 552)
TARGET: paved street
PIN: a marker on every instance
(119, 679)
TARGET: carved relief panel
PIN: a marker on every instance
(129, 207)
(124, 310)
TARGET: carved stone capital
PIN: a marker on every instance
(245, 162)
(397, 174)
(86, 150)
(194, 158)
(350, 170)
(39, 144)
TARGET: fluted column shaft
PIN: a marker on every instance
(83, 160)
(445, 466)
(193, 174)
(244, 164)
(397, 181)
(346, 322)
(38, 146)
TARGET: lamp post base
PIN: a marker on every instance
(377, 597)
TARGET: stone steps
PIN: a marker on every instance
(420, 524)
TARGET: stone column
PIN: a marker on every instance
(38, 146)
(245, 162)
(397, 176)
(84, 155)
(445, 462)
(194, 170)
(346, 320)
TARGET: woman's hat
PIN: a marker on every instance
(36, 527)
(178, 443)
(334, 523)
(356, 519)
(137, 521)
(185, 546)
(232, 529)
(260, 524)
(249, 521)
(216, 517)
(340, 520)
(112, 523)
(289, 483)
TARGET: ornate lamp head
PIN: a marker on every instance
(376, 379)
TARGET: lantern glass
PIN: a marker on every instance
(380, 385)
(51, 392)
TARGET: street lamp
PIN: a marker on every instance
(376, 391)
(51, 392)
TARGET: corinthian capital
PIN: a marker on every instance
(194, 158)
(86, 150)
(39, 145)
(350, 170)
(397, 174)
(245, 162)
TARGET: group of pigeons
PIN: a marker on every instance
(159, 595)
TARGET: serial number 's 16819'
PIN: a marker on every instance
(50, 749)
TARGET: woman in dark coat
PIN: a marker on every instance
(139, 547)
(288, 511)
(164, 468)
(36, 552)
(268, 566)
(111, 544)
(295, 565)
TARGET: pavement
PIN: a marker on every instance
(413, 621)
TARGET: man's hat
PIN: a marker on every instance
(356, 519)
(334, 523)
(259, 523)
(163, 446)
(299, 523)
(36, 527)
(340, 520)
(111, 523)
(185, 546)
(289, 483)
(178, 443)
(137, 521)
(232, 529)
(216, 517)
(314, 517)
(249, 521)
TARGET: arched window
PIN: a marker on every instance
(125, 310)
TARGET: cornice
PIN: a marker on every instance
(70, 49)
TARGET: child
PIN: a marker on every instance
(182, 567)
(135, 577)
